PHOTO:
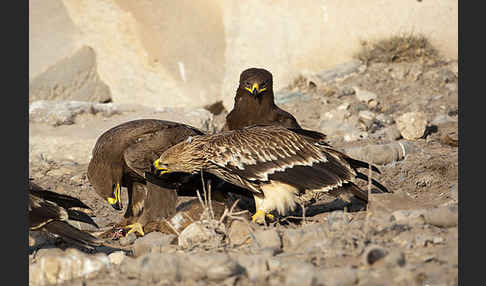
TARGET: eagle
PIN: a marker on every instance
(254, 103)
(50, 211)
(123, 155)
(279, 166)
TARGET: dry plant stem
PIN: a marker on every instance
(231, 214)
(172, 227)
(366, 224)
(207, 203)
(210, 201)
(369, 181)
(303, 213)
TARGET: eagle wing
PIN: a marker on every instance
(263, 153)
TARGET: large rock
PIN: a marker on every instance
(155, 267)
(152, 242)
(56, 269)
(55, 113)
(142, 57)
(72, 78)
(208, 234)
(412, 125)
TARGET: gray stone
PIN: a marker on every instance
(364, 95)
(61, 112)
(305, 239)
(267, 239)
(282, 97)
(392, 133)
(255, 265)
(385, 119)
(447, 76)
(54, 269)
(367, 115)
(335, 129)
(202, 233)
(152, 242)
(451, 86)
(412, 125)
(301, 274)
(127, 240)
(238, 232)
(339, 71)
(338, 220)
(388, 203)
(394, 258)
(116, 257)
(373, 253)
(337, 276)
(424, 240)
(410, 217)
(73, 78)
(345, 91)
(383, 153)
(453, 190)
(219, 266)
(48, 252)
(445, 216)
(442, 119)
(152, 267)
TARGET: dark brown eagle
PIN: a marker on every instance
(121, 157)
(279, 166)
(254, 103)
(50, 211)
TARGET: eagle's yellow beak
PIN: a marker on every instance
(255, 89)
(115, 201)
(160, 168)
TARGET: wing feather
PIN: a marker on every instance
(256, 153)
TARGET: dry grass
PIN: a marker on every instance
(406, 47)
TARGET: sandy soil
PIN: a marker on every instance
(423, 180)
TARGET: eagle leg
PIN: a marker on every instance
(260, 215)
(136, 227)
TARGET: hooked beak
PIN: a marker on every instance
(255, 89)
(160, 168)
(115, 201)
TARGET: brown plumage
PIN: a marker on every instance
(121, 157)
(254, 103)
(259, 108)
(50, 211)
(280, 167)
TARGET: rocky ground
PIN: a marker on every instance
(399, 113)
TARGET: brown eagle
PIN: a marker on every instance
(279, 166)
(50, 211)
(121, 157)
(254, 103)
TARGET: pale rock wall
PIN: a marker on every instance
(190, 53)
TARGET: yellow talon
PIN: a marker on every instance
(136, 227)
(259, 217)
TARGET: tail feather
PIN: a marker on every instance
(373, 181)
(360, 164)
(72, 234)
(349, 189)
(81, 216)
(61, 200)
